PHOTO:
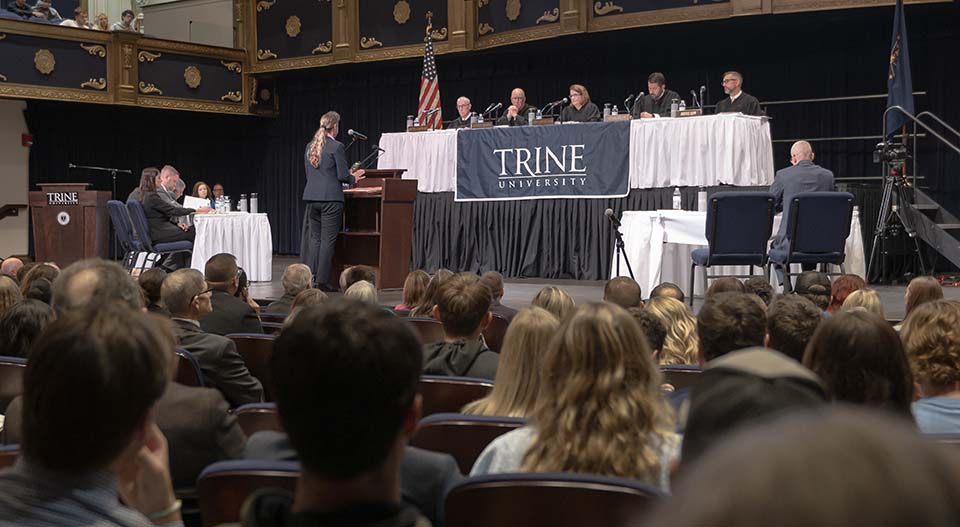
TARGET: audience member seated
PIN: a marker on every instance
(921, 290)
(148, 180)
(556, 301)
(21, 325)
(44, 10)
(79, 20)
(791, 322)
(94, 283)
(102, 23)
(125, 23)
(363, 291)
(729, 322)
(600, 409)
(463, 307)
(24, 269)
(872, 369)
(10, 266)
(931, 339)
(726, 284)
(517, 385)
(9, 294)
(680, 346)
(347, 375)
(357, 273)
(424, 308)
(187, 297)
(652, 328)
(815, 286)
(841, 288)
(494, 281)
(761, 287)
(668, 289)
(20, 7)
(43, 271)
(744, 387)
(296, 279)
(414, 287)
(92, 382)
(307, 298)
(40, 289)
(230, 314)
(624, 292)
(162, 215)
(839, 466)
(867, 299)
(150, 282)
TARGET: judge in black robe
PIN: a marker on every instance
(518, 111)
(464, 112)
(580, 110)
(737, 100)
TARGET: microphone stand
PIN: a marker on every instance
(621, 253)
(113, 189)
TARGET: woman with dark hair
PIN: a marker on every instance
(815, 287)
(861, 360)
(921, 290)
(414, 287)
(424, 308)
(21, 326)
(148, 183)
(580, 110)
(202, 190)
(325, 162)
(150, 282)
(42, 271)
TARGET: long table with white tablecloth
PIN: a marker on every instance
(702, 151)
(658, 244)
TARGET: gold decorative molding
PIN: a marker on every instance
(367, 43)
(24, 91)
(485, 29)
(44, 61)
(192, 77)
(149, 89)
(127, 62)
(439, 34)
(400, 52)
(235, 67)
(323, 47)
(171, 103)
(265, 54)
(549, 16)
(146, 56)
(191, 49)
(264, 5)
(605, 8)
(95, 49)
(662, 16)
(520, 35)
(295, 63)
(293, 26)
(513, 10)
(233, 96)
(96, 84)
(401, 12)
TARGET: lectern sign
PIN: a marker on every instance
(55, 199)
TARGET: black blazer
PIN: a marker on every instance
(425, 476)
(325, 183)
(230, 315)
(220, 364)
(159, 212)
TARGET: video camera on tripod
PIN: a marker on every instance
(893, 153)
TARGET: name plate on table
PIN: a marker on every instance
(542, 121)
(690, 112)
(582, 160)
(618, 117)
(418, 128)
(485, 124)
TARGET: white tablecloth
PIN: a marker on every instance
(244, 235)
(659, 242)
(688, 151)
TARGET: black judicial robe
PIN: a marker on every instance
(746, 104)
(659, 107)
(588, 113)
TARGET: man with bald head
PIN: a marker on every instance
(516, 114)
(802, 176)
(464, 111)
(10, 266)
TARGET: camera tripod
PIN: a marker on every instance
(895, 186)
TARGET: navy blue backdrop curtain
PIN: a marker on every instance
(809, 55)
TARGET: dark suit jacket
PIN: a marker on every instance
(159, 212)
(425, 476)
(805, 176)
(196, 422)
(230, 315)
(282, 305)
(325, 183)
(746, 104)
(499, 309)
(220, 364)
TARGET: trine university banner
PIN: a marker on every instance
(579, 160)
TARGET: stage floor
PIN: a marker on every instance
(518, 292)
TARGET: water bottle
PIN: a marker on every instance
(606, 110)
(474, 118)
(242, 206)
(531, 115)
(539, 115)
(217, 204)
(615, 110)
(409, 121)
(254, 203)
(676, 198)
(702, 200)
(683, 105)
(226, 203)
(674, 108)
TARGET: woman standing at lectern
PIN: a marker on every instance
(325, 161)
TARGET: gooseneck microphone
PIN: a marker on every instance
(353, 133)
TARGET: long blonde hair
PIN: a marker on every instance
(600, 409)
(681, 345)
(327, 122)
(517, 385)
(554, 300)
(865, 298)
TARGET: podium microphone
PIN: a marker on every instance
(626, 103)
(613, 219)
(71, 165)
(353, 133)
(492, 108)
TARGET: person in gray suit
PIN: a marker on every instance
(803, 176)
(325, 162)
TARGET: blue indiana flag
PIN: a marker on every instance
(899, 81)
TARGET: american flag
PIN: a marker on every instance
(430, 87)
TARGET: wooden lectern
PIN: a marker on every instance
(377, 227)
(70, 223)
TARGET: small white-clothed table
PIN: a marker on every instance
(242, 234)
(659, 243)
(702, 151)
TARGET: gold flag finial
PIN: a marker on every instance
(429, 21)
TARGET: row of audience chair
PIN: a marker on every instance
(133, 234)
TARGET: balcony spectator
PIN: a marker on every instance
(44, 10)
(20, 7)
(79, 20)
(125, 23)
